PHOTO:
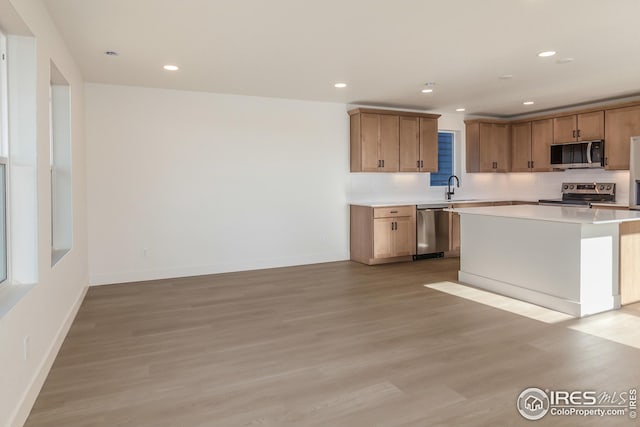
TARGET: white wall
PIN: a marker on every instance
(187, 183)
(45, 312)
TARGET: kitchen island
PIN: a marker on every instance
(564, 258)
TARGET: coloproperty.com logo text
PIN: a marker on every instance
(534, 403)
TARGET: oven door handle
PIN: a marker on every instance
(589, 148)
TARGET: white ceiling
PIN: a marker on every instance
(385, 50)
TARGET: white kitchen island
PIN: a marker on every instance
(563, 258)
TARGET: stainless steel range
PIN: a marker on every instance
(584, 193)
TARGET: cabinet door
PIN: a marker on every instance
(541, 139)
(472, 147)
(370, 136)
(409, 144)
(389, 144)
(428, 144)
(486, 147)
(404, 236)
(564, 129)
(591, 126)
(521, 147)
(383, 234)
(621, 125)
(501, 147)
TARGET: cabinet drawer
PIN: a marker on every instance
(394, 211)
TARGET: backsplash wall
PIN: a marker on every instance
(409, 187)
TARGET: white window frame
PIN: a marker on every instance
(4, 159)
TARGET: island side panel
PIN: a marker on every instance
(630, 262)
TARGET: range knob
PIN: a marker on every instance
(602, 187)
(564, 187)
(608, 187)
(571, 186)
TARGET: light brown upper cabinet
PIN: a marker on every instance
(374, 143)
(488, 146)
(521, 147)
(530, 146)
(578, 127)
(418, 144)
(620, 125)
(409, 144)
(392, 141)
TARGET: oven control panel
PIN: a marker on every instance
(585, 188)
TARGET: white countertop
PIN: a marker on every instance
(431, 202)
(555, 213)
(614, 204)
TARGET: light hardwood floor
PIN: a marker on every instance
(334, 345)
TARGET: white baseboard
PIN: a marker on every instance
(507, 289)
(19, 417)
(146, 275)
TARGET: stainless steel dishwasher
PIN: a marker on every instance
(432, 228)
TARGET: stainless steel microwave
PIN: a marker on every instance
(577, 155)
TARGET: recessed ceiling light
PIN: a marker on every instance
(506, 76)
(528, 103)
(171, 67)
(546, 53)
(460, 110)
(340, 85)
(426, 90)
(111, 53)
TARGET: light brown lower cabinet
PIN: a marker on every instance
(381, 235)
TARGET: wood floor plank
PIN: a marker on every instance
(336, 344)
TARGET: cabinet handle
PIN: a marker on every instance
(382, 163)
(417, 163)
(393, 211)
(578, 133)
(606, 161)
(421, 163)
(391, 225)
(574, 134)
(531, 164)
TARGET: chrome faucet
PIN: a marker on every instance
(451, 191)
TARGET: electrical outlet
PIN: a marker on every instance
(27, 347)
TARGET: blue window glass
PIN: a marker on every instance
(445, 160)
